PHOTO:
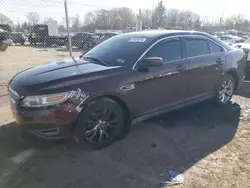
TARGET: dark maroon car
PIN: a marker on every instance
(122, 81)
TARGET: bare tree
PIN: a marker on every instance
(103, 19)
(76, 23)
(147, 17)
(33, 17)
(48, 19)
(116, 18)
(5, 20)
(172, 18)
(126, 17)
(159, 14)
(89, 22)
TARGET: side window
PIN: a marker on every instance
(196, 47)
(86, 37)
(77, 36)
(168, 51)
(214, 48)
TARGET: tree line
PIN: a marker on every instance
(123, 18)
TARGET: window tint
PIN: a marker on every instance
(214, 48)
(168, 51)
(196, 47)
(77, 36)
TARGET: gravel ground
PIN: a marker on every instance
(208, 145)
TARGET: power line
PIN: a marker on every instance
(83, 4)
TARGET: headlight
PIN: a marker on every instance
(44, 100)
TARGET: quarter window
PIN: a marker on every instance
(196, 47)
(167, 50)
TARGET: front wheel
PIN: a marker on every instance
(3, 47)
(100, 123)
(225, 90)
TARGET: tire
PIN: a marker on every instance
(225, 91)
(85, 46)
(95, 129)
(3, 47)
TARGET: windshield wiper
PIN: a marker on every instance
(96, 60)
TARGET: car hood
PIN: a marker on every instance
(59, 72)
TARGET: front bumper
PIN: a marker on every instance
(50, 123)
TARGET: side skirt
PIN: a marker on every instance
(166, 110)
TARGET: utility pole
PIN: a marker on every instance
(67, 23)
(140, 20)
(223, 12)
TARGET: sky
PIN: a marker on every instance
(18, 9)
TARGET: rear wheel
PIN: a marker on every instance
(225, 90)
(100, 123)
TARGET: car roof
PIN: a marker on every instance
(158, 33)
(154, 35)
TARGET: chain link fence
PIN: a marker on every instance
(35, 32)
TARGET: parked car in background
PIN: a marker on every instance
(230, 39)
(106, 36)
(85, 41)
(246, 47)
(122, 81)
(5, 38)
(18, 37)
(99, 34)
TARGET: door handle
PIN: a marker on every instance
(181, 68)
(220, 61)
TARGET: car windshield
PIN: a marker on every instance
(119, 50)
(247, 41)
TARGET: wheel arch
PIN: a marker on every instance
(233, 73)
(119, 100)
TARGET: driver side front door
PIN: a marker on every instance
(161, 87)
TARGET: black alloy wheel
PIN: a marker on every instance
(100, 123)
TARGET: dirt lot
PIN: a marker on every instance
(209, 145)
(18, 58)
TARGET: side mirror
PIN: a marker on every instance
(144, 64)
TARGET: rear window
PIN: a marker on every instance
(196, 47)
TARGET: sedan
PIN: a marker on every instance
(84, 41)
(122, 81)
(18, 37)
